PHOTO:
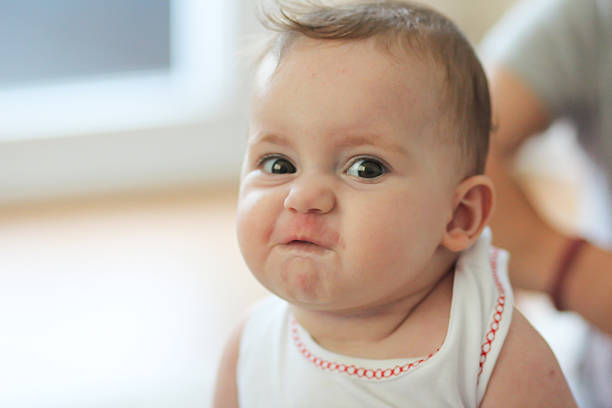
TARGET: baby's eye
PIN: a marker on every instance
(366, 168)
(277, 165)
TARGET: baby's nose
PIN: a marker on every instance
(311, 195)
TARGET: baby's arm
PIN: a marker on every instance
(527, 373)
(226, 390)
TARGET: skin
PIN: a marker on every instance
(526, 373)
(365, 276)
(226, 389)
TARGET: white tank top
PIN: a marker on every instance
(280, 365)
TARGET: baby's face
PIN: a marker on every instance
(344, 197)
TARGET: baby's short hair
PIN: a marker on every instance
(419, 30)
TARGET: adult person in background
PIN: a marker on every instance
(548, 60)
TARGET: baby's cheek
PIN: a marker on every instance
(254, 225)
(375, 243)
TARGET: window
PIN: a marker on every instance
(71, 39)
(75, 67)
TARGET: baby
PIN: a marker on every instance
(363, 207)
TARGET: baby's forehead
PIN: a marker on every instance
(355, 71)
(368, 53)
(351, 89)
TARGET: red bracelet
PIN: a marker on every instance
(567, 259)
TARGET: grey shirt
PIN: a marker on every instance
(562, 49)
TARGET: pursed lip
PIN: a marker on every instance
(304, 246)
(297, 239)
(305, 243)
(305, 232)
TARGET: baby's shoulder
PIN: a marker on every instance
(526, 363)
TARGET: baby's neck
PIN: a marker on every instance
(412, 326)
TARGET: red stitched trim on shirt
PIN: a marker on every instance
(382, 373)
(485, 348)
(366, 373)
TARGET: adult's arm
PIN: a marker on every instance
(536, 246)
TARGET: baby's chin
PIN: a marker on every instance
(299, 280)
(305, 280)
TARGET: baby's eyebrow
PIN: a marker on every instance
(270, 138)
(346, 141)
(370, 140)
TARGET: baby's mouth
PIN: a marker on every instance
(307, 246)
(299, 242)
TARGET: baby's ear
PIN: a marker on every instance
(473, 203)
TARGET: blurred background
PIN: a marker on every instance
(122, 125)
